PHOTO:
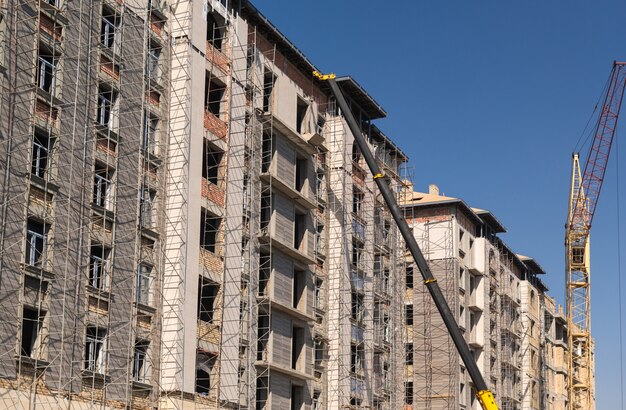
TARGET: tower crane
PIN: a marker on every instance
(584, 194)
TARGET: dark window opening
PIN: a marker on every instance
(150, 134)
(267, 154)
(409, 277)
(297, 397)
(408, 393)
(206, 300)
(106, 102)
(299, 285)
(409, 353)
(46, 70)
(213, 95)
(297, 346)
(264, 273)
(103, 186)
(299, 230)
(94, 349)
(268, 87)
(203, 382)
(36, 243)
(266, 210)
(301, 110)
(301, 173)
(214, 32)
(211, 162)
(99, 267)
(357, 307)
(109, 31)
(262, 387)
(140, 367)
(408, 310)
(357, 200)
(42, 145)
(32, 321)
(209, 231)
(263, 336)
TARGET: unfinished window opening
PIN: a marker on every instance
(42, 147)
(147, 203)
(209, 231)
(319, 238)
(149, 141)
(203, 382)
(211, 163)
(357, 356)
(299, 234)
(408, 313)
(109, 31)
(358, 308)
(297, 347)
(409, 277)
(297, 397)
(301, 173)
(409, 353)
(144, 280)
(301, 109)
(103, 186)
(107, 98)
(357, 253)
(266, 211)
(318, 293)
(140, 366)
(357, 200)
(265, 269)
(262, 386)
(36, 243)
(408, 393)
(268, 87)
(320, 349)
(213, 95)
(268, 152)
(153, 71)
(206, 300)
(215, 30)
(31, 337)
(46, 70)
(316, 403)
(299, 286)
(99, 267)
(263, 337)
(356, 154)
(95, 349)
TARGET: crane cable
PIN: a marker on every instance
(579, 147)
(619, 279)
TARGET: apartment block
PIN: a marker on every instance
(186, 221)
(512, 326)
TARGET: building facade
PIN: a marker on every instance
(186, 222)
(513, 328)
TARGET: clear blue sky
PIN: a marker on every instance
(488, 99)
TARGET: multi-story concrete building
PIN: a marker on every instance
(186, 222)
(501, 305)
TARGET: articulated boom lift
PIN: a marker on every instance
(584, 194)
(484, 395)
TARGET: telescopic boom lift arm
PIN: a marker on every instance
(484, 395)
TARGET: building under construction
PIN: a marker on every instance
(516, 332)
(186, 223)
